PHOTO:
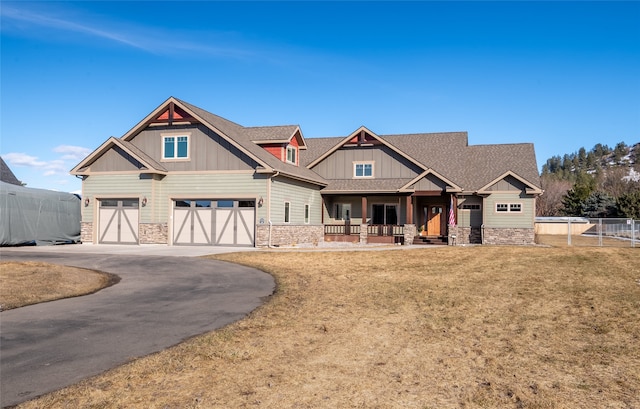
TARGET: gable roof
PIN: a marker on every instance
(448, 156)
(445, 155)
(6, 175)
(150, 165)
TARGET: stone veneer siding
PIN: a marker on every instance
(153, 233)
(410, 230)
(289, 235)
(509, 236)
(469, 235)
(86, 232)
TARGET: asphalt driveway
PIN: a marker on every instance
(160, 301)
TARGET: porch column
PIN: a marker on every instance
(364, 210)
(409, 209)
(363, 223)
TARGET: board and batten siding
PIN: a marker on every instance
(115, 160)
(207, 150)
(523, 219)
(387, 163)
(297, 194)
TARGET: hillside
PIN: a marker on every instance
(601, 182)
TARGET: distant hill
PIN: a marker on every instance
(601, 182)
(601, 157)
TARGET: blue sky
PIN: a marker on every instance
(559, 74)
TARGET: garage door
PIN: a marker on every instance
(214, 222)
(118, 221)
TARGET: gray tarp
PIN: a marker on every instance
(39, 216)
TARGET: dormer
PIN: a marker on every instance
(283, 142)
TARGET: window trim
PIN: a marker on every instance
(509, 207)
(287, 212)
(175, 137)
(363, 163)
(294, 150)
(468, 207)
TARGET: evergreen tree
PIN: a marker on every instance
(599, 204)
(575, 198)
(629, 205)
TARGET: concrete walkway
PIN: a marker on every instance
(164, 297)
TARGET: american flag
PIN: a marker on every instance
(452, 215)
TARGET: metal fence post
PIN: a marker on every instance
(600, 232)
(569, 231)
(633, 233)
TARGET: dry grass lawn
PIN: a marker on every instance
(26, 283)
(474, 327)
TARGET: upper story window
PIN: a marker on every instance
(363, 169)
(291, 154)
(175, 147)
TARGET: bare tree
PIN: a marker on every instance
(550, 202)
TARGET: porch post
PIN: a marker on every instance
(364, 210)
(409, 209)
(363, 223)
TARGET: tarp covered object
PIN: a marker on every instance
(37, 216)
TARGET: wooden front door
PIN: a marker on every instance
(434, 220)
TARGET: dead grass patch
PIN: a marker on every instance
(26, 283)
(475, 327)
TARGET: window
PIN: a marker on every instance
(175, 147)
(306, 214)
(470, 207)
(287, 208)
(509, 207)
(363, 170)
(343, 211)
(384, 214)
(291, 154)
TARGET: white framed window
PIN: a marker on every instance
(474, 206)
(306, 214)
(292, 153)
(508, 207)
(175, 147)
(287, 212)
(363, 169)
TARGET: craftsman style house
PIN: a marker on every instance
(183, 175)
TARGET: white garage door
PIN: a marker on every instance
(118, 221)
(214, 222)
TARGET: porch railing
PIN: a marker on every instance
(372, 230)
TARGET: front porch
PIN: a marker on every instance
(415, 218)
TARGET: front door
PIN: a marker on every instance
(434, 220)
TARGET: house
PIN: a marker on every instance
(183, 175)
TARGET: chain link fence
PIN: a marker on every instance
(581, 231)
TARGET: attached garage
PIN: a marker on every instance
(221, 222)
(118, 221)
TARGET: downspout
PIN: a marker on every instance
(269, 206)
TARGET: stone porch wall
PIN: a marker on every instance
(288, 235)
(511, 236)
(153, 233)
(410, 230)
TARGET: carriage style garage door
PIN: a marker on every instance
(118, 221)
(214, 222)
